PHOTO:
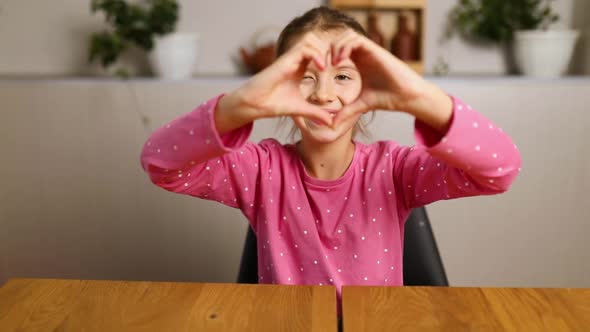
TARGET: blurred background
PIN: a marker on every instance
(75, 203)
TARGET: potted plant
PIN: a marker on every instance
(149, 26)
(521, 28)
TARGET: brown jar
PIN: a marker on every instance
(373, 30)
(404, 44)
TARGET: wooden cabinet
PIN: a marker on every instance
(389, 13)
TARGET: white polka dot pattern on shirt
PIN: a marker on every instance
(343, 249)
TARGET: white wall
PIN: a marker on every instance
(74, 202)
(51, 37)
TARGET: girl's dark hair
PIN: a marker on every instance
(320, 18)
(323, 19)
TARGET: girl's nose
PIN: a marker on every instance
(323, 92)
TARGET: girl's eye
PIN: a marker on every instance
(342, 77)
(307, 77)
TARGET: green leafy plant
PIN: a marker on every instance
(497, 20)
(130, 24)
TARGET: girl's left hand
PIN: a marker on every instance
(388, 83)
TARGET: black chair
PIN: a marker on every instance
(422, 263)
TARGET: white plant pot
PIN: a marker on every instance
(175, 56)
(545, 54)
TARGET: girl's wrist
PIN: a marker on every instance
(433, 107)
(232, 112)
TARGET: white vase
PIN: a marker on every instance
(545, 54)
(174, 56)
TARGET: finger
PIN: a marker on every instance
(313, 112)
(340, 43)
(308, 110)
(346, 50)
(301, 57)
(320, 48)
(351, 112)
(311, 39)
(341, 39)
(353, 42)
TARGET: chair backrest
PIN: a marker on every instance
(248, 273)
(422, 262)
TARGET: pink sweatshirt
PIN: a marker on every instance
(347, 231)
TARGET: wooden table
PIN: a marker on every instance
(94, 305)
(465, 309)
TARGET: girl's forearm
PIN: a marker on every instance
(232, 113)
(434, 107)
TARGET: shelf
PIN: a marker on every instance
(381, 4)
(389, 12)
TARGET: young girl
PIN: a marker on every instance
(328, 210)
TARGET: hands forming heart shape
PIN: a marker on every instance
(387, 83)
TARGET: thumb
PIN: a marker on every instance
(303, 108)
(351, 112)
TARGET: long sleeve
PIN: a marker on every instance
(474, 157)
(188, 156)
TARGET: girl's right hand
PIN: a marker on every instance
(275, 91)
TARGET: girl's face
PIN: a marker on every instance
(330, 89)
